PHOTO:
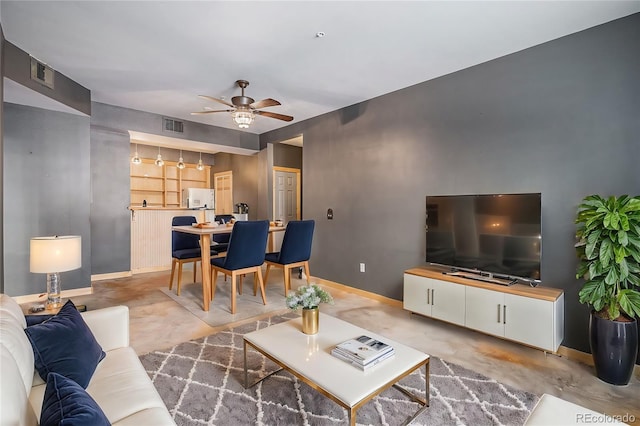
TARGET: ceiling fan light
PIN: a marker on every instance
(243, 118)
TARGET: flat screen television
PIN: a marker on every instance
(496, 235)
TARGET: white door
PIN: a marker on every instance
(285, 196)
(223, 184)
(485, 310)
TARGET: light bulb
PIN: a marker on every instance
(180, 164)
(243, 118)
(136, 158)
(159, 161)
(200, 166)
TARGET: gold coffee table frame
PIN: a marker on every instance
(277, 344)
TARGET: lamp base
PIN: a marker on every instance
(53, 290)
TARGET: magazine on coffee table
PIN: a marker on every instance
(362, 350)
(363, 367)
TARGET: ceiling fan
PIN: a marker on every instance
(244, 108)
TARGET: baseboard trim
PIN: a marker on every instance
(585, 358)
(111, 276)
(151, 269)
(42, 297)
(364, 293)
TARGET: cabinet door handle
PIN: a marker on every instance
(504, 314)
(499, 313)
(428, 300)
(433, 299)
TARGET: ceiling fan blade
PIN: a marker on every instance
(211, 98)
(210, 112)
(274, 115)
(265, 103)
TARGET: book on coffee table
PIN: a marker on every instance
(362, 351)
(362, 367)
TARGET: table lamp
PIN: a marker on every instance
(52, 255)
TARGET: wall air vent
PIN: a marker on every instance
(171, 125)
(42, 73)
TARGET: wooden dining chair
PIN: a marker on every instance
(245, 255)
(294, 252)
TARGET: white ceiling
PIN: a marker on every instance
(156, 56)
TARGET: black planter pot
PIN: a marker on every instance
(614, 347)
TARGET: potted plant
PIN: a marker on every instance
(308, 298)
(609, 259)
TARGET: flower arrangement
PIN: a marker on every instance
(308, 297)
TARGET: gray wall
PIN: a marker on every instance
(110, 196)
(1, 160)
(66, 91)
(561, 119)
(245, 171)
(287, 156)
(47, 191)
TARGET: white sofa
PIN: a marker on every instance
(119, 385)
(553, 411)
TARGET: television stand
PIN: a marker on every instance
(484, 278)
(518, 312)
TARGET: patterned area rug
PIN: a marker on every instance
(201, 383)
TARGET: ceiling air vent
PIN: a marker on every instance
(171, 125)
(42, 73)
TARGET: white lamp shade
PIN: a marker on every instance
(55, 254)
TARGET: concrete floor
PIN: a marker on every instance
(158, 322)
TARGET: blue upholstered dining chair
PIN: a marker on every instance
(294, 252)
(185, 248)
(222, 240)
(245, 255)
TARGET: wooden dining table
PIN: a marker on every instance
(205, 234)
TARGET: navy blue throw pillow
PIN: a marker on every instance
(64, 344)
(66, 403)
(36, 319)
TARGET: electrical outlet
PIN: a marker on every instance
(362, 267)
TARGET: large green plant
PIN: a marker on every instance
(609, 253)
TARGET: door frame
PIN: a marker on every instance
(298, 189)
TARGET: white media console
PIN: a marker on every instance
(524, 314)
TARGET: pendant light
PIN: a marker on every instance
(200, 166)
(180, 164)
(159, 161)
(136, 158)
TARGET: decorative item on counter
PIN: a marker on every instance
(308, 298)
(144, 203)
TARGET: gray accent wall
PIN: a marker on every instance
(561, 118)
(46, 192)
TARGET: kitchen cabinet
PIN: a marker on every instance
(433, 298)
(532, 316)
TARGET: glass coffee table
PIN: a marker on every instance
(308, 357)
